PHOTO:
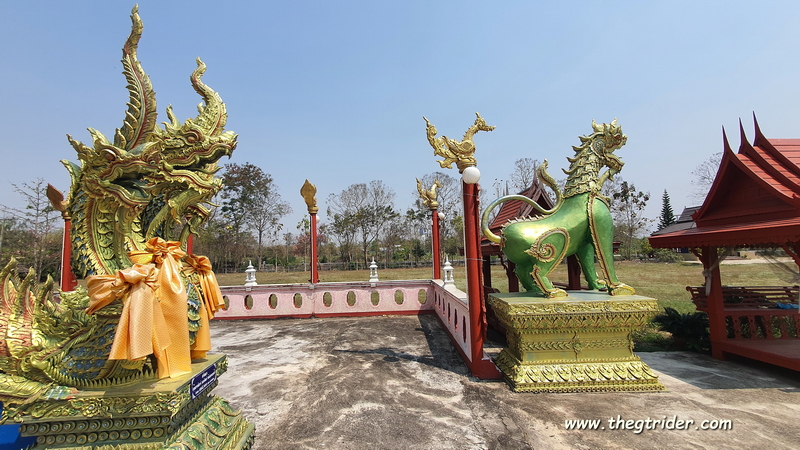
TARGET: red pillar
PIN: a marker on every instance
(190, 244)
(437, 259)
(480, 365)
(716, 306)
(314, 270)
(68, 280)
(573, 273)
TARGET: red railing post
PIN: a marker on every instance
(437, 259)
(715, 305)
(68, 280)
(309, 193)
(481, 365)
(314, 257)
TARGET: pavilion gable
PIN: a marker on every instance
(758, 183)
(754, 200)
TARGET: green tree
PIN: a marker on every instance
(303, 242)
(417, 250)
(703, 176)
(667, 217)
(218, 241)
(39, 239)
(343, 230)
(251, 204)
(628, 210)
(523, 175)
(14, 238)
(449, 197)
(362, 211)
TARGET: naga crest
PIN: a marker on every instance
(149, 181)
(429, 196)
(453, 151)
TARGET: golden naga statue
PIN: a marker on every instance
(462, 153)
(133, 202)
(429, 196)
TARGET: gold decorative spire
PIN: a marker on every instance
(56, 198)
(309, 192)
(429, 196)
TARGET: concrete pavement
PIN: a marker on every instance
(396, 382)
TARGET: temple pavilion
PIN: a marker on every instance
(754, 202)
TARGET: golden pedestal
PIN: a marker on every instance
(578, 343)
(153, 414)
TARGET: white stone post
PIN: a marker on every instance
(448, 273)
(373, 272)
(250, 279)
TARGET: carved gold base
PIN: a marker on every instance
(579, 343)
(154, 414)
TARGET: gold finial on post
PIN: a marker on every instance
(462, 153)
(309, 192)
(429, 196)
(57, 200)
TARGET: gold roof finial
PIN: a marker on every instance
(309, 192)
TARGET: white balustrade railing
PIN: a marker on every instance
(353, 299)
(327, 299)
(452, 307)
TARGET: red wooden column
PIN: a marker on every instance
(68, 280)
(573, 273)
(309, 192)
(190, 244)
(716, 307)
(314, 257)
(486, 267)
(437, 260)
(481, 365)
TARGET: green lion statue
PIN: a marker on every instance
(579, 224)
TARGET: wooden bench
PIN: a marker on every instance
(752, 312)
(750, 297)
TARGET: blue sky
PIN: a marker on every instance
(335, 91)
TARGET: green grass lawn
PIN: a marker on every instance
(665, 282)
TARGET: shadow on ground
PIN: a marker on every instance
(396, 382)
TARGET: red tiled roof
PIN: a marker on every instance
(755, 198)
(751, 233)
(516, 208)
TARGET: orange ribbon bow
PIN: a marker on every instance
(212, 301)
(172, 294)
(141, 330)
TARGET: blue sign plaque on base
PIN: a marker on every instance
(203, 380)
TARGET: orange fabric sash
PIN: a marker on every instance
(212, 302)
(141, 330)
(172, 294)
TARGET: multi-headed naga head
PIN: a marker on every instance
(149, 179)
(124, 192)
